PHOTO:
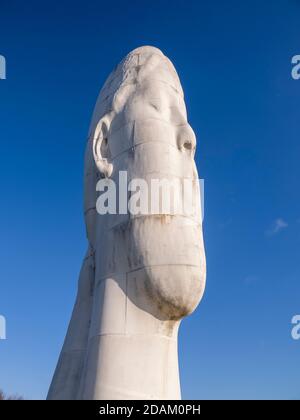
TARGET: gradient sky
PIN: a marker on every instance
(234, 61)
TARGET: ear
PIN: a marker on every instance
(101, 149)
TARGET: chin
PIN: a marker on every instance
(175, 291)
(173, 260)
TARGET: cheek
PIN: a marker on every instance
(120, 139)
(161, 160)
(154, 130)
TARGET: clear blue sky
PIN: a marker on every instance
(234, 60)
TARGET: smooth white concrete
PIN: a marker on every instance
(142, 274)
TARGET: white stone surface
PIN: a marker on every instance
(142, 274)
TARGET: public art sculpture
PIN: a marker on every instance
(143, 273)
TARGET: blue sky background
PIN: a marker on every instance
(234, 61)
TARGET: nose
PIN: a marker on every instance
(186, 139)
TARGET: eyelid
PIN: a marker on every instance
(155, 106)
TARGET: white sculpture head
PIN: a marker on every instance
(145, 271)
(140, 126)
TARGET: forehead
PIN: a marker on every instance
(152, 100)
(140, 67)
(155, 91)
(144, 75)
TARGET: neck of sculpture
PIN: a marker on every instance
(131, 353)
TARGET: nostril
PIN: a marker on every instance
(186, 139)
(187, 145)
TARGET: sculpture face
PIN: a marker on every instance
(147, 135)
(143, 272)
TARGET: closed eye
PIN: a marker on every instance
(155, 106)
